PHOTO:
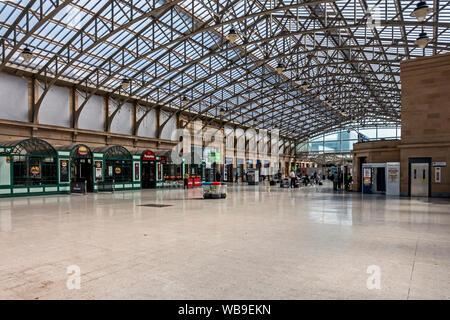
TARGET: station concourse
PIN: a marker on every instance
(223, 150)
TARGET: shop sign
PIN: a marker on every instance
(118, 170)
(163, 160)
(215, 157)
(148, 156)
(83, 151)
(35, 170)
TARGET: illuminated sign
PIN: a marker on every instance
(35, 170)
(149, 156)
(118, 170)
(83, 151)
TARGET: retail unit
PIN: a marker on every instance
(32, 167)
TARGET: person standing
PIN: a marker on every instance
(293, 176)
(218, 176)
(335, 180)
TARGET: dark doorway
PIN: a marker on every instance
(148, 174)
(82, 172)
(381, 179)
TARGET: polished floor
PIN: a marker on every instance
(309, 243)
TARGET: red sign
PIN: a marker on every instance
(148, 156)
(83, 151)
(118, 171)
(190, 183)
(163, 159)
(63, 163)
(197, 182)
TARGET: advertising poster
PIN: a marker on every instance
(64, 170)
(98, 171)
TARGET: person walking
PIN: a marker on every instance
(340, 179)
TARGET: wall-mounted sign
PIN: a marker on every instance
(83, 151)
(136, 172)
(148, 156)
(35, 171)
(98, 171)
(158, 176)
(437, 174)
(64, 171)
(215, 157)
(163, 159)
(118, 170)
(440, 164)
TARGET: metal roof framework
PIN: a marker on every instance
(176, 55)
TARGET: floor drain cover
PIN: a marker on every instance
(153, 205)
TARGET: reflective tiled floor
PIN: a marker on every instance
(308, 243)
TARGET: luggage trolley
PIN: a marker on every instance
(214, 190)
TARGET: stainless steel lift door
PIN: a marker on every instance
(419, 179)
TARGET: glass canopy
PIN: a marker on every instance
(302, 66)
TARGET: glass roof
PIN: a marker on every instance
(340, 59)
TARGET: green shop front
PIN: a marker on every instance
(115, 168)
(80, 172)
(32, 167)
(151, 169)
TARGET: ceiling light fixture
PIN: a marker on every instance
(305, 85)
(232, 35)
(125, 83)
(26, 54)
(421, 11)
(280, 67)
(422, 40)
(222, 112)
(184, 100)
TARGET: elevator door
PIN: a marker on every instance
(419, 179)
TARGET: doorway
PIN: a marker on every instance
(148, 174)
(82, 172)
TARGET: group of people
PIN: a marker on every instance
(307, 180)
(339, 179)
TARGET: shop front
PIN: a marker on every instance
(116, 168)
(81, 171)
(194, 174)
(381, 178)
(150, 169)
(32, 167)
(228, 172)
(172, 173)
